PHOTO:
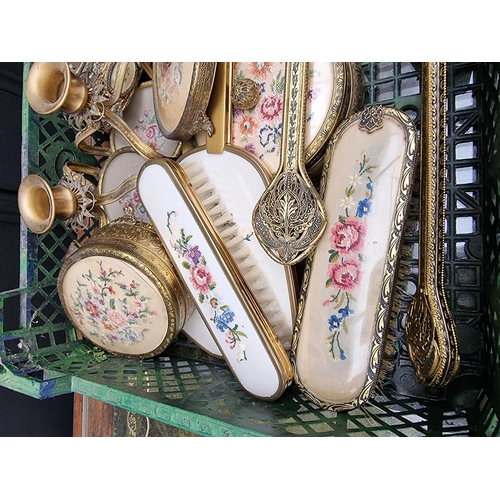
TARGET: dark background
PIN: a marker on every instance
(20, 415)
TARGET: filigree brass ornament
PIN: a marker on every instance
(372, 118)
(110, 85)
(430, 327)
(85, 199)
(245, 93)
(289, 218)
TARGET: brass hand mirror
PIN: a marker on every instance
(430, 327)
(289, 218)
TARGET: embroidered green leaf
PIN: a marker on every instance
(186, 264)
(328, 282)
(112, 303)
(278, 84)
(334, 255)
(240, 334)
(201, 298)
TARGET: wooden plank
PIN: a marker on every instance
(92, 418)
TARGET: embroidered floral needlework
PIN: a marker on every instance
(347, 240)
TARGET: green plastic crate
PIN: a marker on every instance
(41, 355)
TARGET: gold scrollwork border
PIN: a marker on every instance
(336, 110)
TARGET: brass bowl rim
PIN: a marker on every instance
(24, 207)
(39, 105)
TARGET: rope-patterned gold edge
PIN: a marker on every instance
(351, 102)
(452, 334)
(390, 267)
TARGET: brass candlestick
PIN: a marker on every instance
(71, 201)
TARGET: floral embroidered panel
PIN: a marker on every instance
(114, 305)
(259, 130)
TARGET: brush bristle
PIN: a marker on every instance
(242, 254)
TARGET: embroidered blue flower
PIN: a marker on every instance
(343, 355)
(269, 137)
(334, 322)
(364, 207)
(220, 324)
(227, 316)
(345, 311)
(223, 320)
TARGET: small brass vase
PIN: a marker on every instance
(51, 86)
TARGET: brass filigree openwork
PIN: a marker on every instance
(288, 218)
(245, 93)
(83, 191)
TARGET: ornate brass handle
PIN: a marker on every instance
(289, 218)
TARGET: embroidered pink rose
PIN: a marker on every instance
(345, 275)
(117, 318)
(271, 107)
(201, 278)
(150, 132)
(348, 235)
